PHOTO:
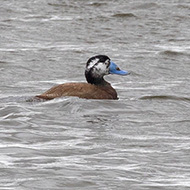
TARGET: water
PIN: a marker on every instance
(140, 141)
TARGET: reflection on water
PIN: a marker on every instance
(140, 141)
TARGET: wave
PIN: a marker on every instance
(165, 97)
(172, 50)
(172, 53)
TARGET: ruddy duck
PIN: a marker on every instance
(96, 88)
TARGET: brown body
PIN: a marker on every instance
(81, 90)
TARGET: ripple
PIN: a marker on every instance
(97, 4)
(147, 6)
(124, 15)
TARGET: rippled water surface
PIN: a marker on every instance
(139, 142)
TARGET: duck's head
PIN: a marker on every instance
(100, 65)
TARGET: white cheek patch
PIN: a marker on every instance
(101, 69)
(92, 63)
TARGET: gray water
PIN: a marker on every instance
(139, 142)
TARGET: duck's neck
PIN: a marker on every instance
(96, 81)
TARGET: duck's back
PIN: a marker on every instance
(81, 90)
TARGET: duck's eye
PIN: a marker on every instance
(107, 63)
(118, 69)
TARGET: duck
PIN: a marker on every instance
(96, 86)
